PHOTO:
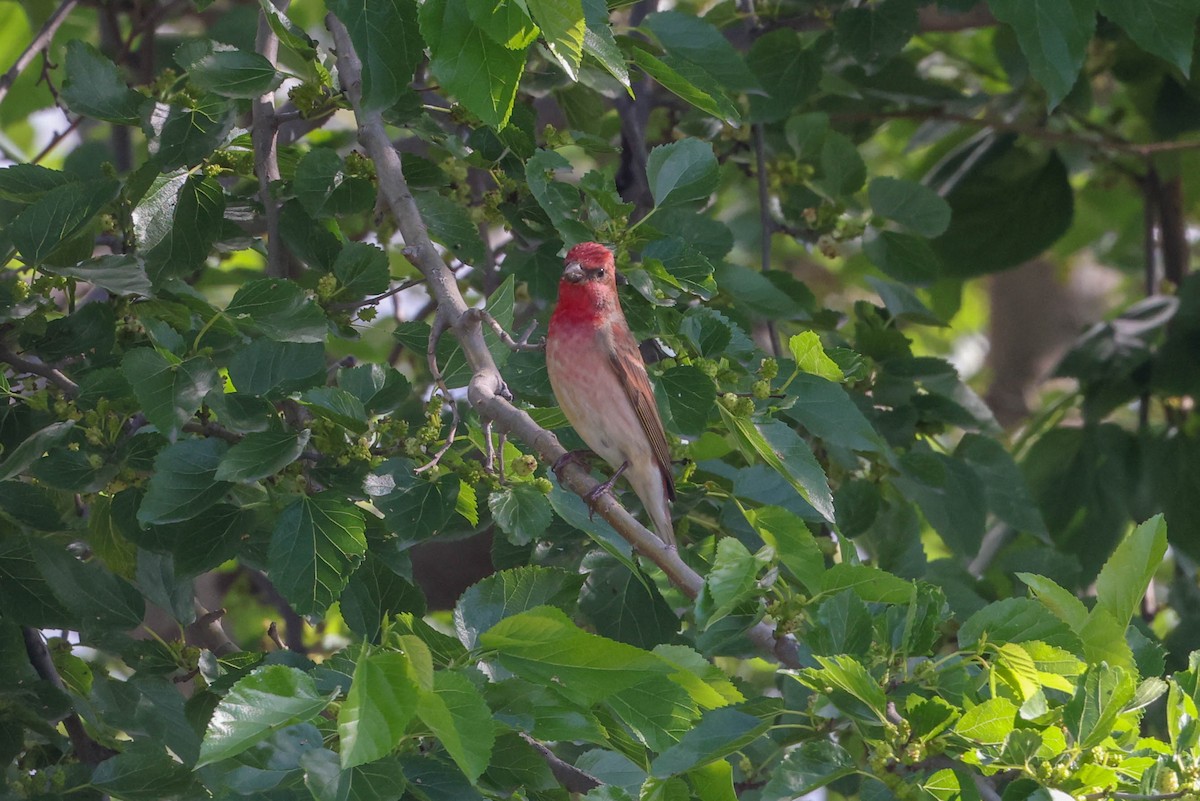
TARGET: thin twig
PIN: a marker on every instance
(206, 632)
(435, 335)
(486, 392)
(90, 752)
(51, 374)
(39, 43)
(766, 221)
(572, 779)
(489, 449)
(57, 139)
(266, 161)
(1100, 143)
(515, 344)
(409, 284)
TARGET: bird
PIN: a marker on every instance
(601, 384)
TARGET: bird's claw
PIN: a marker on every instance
(578, 457)
(593, 495)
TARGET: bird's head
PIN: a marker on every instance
(590, 263)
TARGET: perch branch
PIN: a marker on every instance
(38, 45)
(90, 752)
(486, 391)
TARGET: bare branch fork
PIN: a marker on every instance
(38, 45)
(486, 390)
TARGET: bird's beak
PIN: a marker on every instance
(573, 272)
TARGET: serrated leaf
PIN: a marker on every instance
(690, 397)
(988, 722)
(176, 224)
(458, 716)
(184, 136)
(268, 699)
(522, 511)
(794, 544)
(184, 482)
(96, 597)
(510, 592)
(32, 448)
(623, 605)
(381, 701)
(810, 356)
(469, 64)
(694, 39)
(227, 71)
(563, 26)
(59, 215)
(261, 454)
(1090, 714)
(361, 269)
(807, 768)
(1166, 28)
(719, 733)
(450, 224)
(315, 546)
(904, 257)
(170, 393)
(386, 37)
(1123, 579)
(25, 183)
(912, 205)
(687, 81)
(337, 405)
(599, 42)
(1053, 35)
(280, 309)
(681, 172)
(120, 274)
(94, 87)
(784, 451)
(730, 582)
(505, 21)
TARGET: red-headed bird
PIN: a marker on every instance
(601, 384)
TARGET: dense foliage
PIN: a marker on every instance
(242, 487)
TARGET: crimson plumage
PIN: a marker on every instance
(601, 384)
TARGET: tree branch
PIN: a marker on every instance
(51, 374)
(39, 43)
(486, 391)
(266, 162)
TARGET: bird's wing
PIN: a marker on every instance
(627, 362)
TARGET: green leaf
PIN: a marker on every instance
(624, 605)
(695, 40)
(280, 309)
(904, 257)
(261, 454)
(374, 595)
(950, 494)
(94, 87)
(505, 21)
(386, 37)
(381, 702)
(25, 183)
(413, 507)
(458, 716)
(325, 188)
(571, 508)
(185, 136)
(1053, 35)
(59, 215)
(379, 388)
(563, 27)
(510, 592)
(843, 171)
(144, 771)
(1166, 28)
(1031, 192)
(786, 69)
(559, 200)
(1017, 620)
(658, 711)
(874, 34)
(315, 546)
(825, 409)
(783, 450)
(268, 699)
(1090, 714)
(1063, 603)
(848, 675)
(522, 511)
(599, 42)
(338, 406)
(169, 392)
(184, 482)
(794, 544)
(869, 583)
(19, 459)
(361, 269)
(25, 595)
(681, 172)
(482, 74)
(176, 224)
(810, 356)
(730, 582)
(690, 398)
(1008, 496)
(225, 70)
(806, 768)
(450, 224)
(842, 625)
(719, 733)
(687, 81)
(269, 368)
(988, 722)
(95, 596)
(542, 645)
(1123, 579)
(912, 205)
(120, 274)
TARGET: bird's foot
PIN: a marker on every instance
(594, 494)
(581, 458)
